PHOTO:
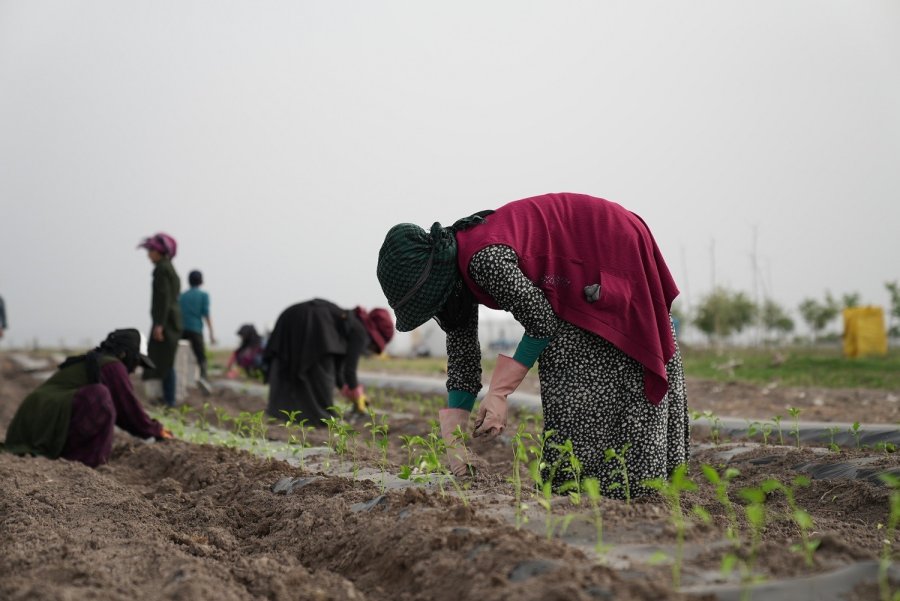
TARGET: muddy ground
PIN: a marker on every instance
(181, 520)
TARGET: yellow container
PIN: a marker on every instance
(864, 332)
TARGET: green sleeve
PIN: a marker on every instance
(529, 349)
(159, 307)
(460, 399)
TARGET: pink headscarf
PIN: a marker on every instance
(378, 324)
(162, 243)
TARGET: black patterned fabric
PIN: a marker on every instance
(591, 392)
(417, 270)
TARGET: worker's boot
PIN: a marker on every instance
(453, 422)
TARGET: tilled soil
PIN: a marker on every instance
(176, 520)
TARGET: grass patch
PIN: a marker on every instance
(794, 366)
(798, 366)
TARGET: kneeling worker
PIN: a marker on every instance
(72, 415)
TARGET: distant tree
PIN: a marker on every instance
(775, 318)
(894, 289)
(722, 313)
(851, 299)
(818, 315)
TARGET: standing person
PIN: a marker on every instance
(194, 304)
(315, 347)
(3, 324)
(165, 312)
(586, 280)
(72, 415)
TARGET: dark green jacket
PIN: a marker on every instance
(165, 311)
(41, 423)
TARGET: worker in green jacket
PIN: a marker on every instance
(165, 311)
(73, 414)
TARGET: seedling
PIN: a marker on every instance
(752, 429)
(766, 431)
(410, 441)
(715, 425)
(461, 440)
(800, 516)
(340, 433)
(569, 462)
(856, 431)
(202, 421)
(795, 431)
(380, 439)
(250, 425)
(721, 482)
(297, 444)
(542, 475)
(222, 417)
(520, 455)
(831, 445)
(671, 489)
(886, 447)
(291, 417)
(884, 563)
(777, 420)
(572, 465)
(621, 471)
(755, 510)
(592, 490)
(429, 461)
(332, 424)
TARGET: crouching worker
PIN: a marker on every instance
(314, 349)
(588, 283)
(249, 355)
(72, 414)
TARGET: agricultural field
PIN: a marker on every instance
(243, 507)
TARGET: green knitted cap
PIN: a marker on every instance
(417, 271)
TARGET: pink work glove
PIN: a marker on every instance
(491, 418)
(457, 454)
(352, 394)
(357, 396)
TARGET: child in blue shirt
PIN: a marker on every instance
(194, 310)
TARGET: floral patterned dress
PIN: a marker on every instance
(592, 394)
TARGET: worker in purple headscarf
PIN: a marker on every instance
(165, 311)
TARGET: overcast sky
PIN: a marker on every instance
(278, 141)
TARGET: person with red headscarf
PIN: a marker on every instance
(314, 349)
(165, 311)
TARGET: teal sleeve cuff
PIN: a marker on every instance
(529, 349)
(460, 399)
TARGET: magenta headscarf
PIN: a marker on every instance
(162, 243)
(378, 324)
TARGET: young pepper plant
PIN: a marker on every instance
(672, 489)
(620, 470)
(884, 562)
